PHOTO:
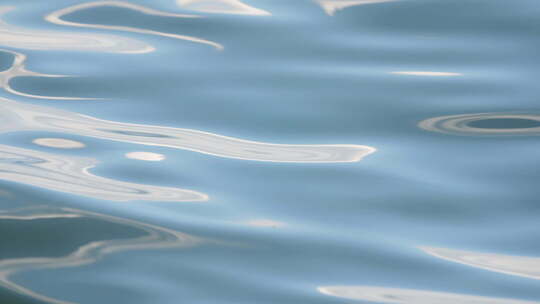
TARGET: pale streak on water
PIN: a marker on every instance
(221, 7)
(332, 6)
(56, 17)
(426, 73)
(352, 187)
(59, 143)
(524, 266)
(407, 296)
(148, 156)
(18, 69)
(24, 117)
(32, 39)
(72, 175)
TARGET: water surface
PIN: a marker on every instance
(269, 151)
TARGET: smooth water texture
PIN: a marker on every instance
(269, 151)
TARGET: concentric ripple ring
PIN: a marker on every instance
(478, 124)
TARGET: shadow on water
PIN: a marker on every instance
(39, 238)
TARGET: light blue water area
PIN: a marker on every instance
(269, 151)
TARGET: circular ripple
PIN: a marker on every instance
(484, 124)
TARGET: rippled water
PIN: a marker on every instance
(269, 151)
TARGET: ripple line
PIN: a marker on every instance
(71, 175)
(16, 117)
(461, 124)
(18, 69)
(221, 7)
(56, 18)
(330, 7)
(523, 266)
(21, 38)
(410, 296)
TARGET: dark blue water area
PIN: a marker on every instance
(96, 167)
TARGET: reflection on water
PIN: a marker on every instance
(25, 117)
(265, 223)
(332, 6)
(60, 143)
(109, 235)
(410, 296)
(56, 17)
(528, 267)
(221, 7)
(484, 124)
(287, 73)
(71, 174)
(22, 38)
(148, 156)
(18, 69)
(426, 73)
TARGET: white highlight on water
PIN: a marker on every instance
(32, 39)
(16, 116)
(60, 143)
(427, 73)
(221, 7)
(330, 7)
(410, 296)
(265, 223)
(71, 174)
(522, 266)
(56, 17)
(147, 156)
(18, 69)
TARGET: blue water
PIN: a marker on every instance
(269, 151)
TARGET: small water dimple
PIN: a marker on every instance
(504, 123)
